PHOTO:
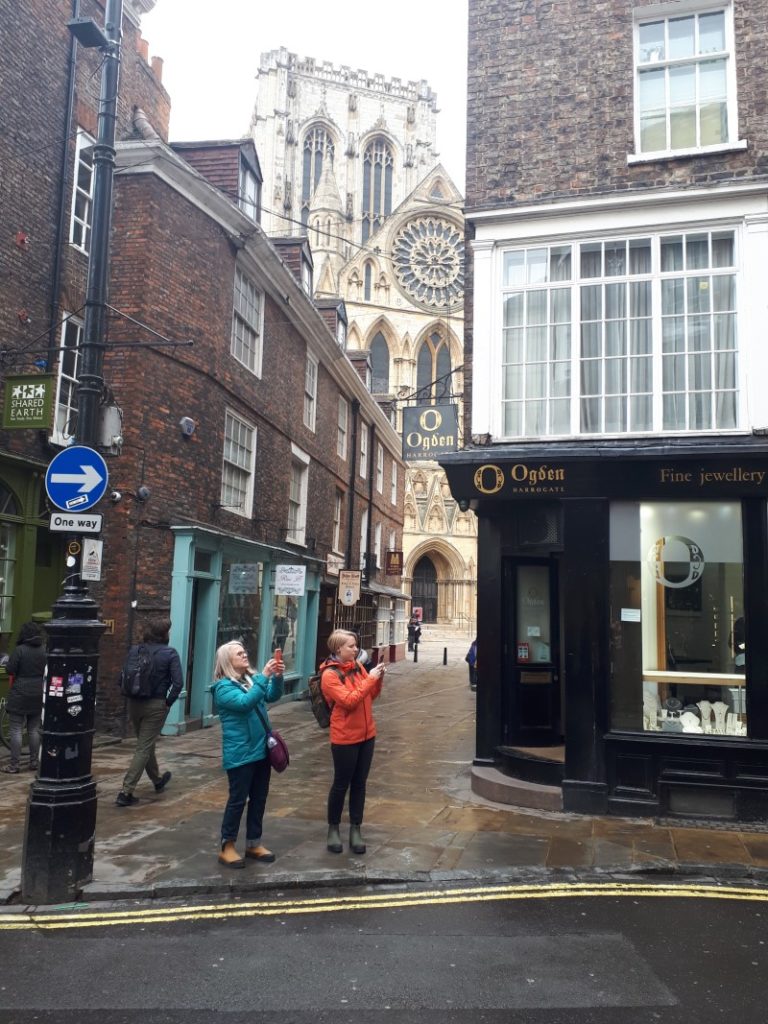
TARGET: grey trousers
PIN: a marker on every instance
(147, 718)
(33, 732)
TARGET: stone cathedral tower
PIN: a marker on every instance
(349, 160)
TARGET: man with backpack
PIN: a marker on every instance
(151, 680)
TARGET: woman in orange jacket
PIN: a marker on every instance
(350, 691)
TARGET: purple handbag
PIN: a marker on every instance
(277, 748)
(277, 751)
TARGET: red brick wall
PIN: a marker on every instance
(550, 103)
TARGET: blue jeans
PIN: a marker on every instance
(247, 783)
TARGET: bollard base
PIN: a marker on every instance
(58, 841)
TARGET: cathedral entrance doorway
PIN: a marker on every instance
(424, 591)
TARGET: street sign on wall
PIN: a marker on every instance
(28, 402)
(76, 479)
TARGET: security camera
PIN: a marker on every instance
(115, 497)
(187, 426)
(143, 493)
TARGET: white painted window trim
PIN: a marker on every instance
(379, 467)
(57, 436)
(301, 459)
(310, 392)
(655, 233)
(681, 8)
(84, 141)
(247, 510)
(342, 432)
(256, 328)
(393, 484)
(338, 506)
(364, 451)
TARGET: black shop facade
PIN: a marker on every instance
(623, 622)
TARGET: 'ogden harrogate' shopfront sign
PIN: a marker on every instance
(611, 478)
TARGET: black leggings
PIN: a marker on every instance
(351, 764)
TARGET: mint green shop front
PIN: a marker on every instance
(223, 588)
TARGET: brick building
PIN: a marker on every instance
(617, 203)
(248, 441)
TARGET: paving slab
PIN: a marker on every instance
(423, 822)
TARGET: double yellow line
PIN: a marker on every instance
(57, 920)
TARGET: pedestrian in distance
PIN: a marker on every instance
(240, 698)
(350, 691)
(471, 659)
(26, 669)
(414, 632)
(148, 713)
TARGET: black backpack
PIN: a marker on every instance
(136, 675)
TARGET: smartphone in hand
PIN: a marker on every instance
(278, 656)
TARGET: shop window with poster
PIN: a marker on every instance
(240, 605)
(284, 631)
(677, 618)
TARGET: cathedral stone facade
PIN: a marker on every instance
(349, 159)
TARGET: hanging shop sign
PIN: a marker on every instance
(393, 563)
(429, 431)
(349, 586)
(290, 580)
(334, 564)
(28, 402)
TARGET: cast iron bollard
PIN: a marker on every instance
(61, 809)
(415, 652)
(445, 655)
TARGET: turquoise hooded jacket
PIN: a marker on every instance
(242, 735)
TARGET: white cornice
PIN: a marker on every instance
(616, 201)
(259, 256)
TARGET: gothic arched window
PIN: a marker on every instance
(433, 367)
(379, 365)
(377, 185)
(367, 277)
(318, 147)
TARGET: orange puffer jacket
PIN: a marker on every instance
(351, 699)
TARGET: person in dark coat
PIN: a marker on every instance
(26, 667)
(148, 714)
(471, 659)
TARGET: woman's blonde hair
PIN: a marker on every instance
(223, 668)
(337, 638)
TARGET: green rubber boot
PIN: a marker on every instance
(334, 839)
(356, 843)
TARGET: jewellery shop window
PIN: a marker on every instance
(677, 618)
(240, 605)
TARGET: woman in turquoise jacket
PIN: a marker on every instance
(237, 692)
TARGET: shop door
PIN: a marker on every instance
(532, 653)
(424, 589)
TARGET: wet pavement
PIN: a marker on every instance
(422, 821)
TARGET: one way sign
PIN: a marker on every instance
(76, 479)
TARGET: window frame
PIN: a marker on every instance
(84, 223)
(667, 12)
(342, 429)
(249, 471)
(363, 467)
(379, 467)
(311, 368)
(69, 323)
(242, 318)
(338, 508)
(296, 524)
(577, 282)
(393, 483)
(249, 192)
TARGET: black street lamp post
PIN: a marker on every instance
(61, 809)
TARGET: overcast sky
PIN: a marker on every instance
(211, 51)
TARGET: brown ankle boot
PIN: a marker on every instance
(260, 853)
(229, 856)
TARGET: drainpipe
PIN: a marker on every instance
(61, 226)
(371, 470)
(353, 470)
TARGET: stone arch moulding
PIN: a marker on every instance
(446, 559)
(445, 327)
(315, 121)
(382, 324)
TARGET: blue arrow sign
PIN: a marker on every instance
(76, 479)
